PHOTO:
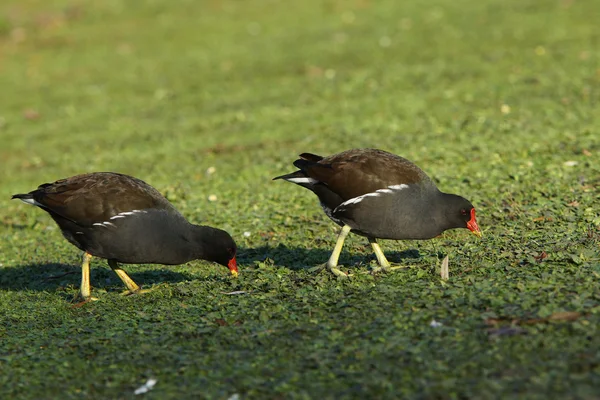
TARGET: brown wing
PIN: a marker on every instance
(89, 198)
(358, 171)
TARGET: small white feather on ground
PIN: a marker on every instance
(435, 324)
(445, 271)
(146, 387)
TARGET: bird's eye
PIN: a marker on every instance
(463, 211)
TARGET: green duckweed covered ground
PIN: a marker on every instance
(497, 100)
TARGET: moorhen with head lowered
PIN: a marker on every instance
(125, 220)
(379, 195)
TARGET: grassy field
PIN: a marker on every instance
(497, 100)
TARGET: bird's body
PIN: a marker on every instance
(380, 195)
(125, 220)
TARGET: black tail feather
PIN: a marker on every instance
(295, 174)
(305, 161)
(22, 196)
(311, 157)
(305, 164)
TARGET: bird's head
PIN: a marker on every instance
(460, 213)
(218, 246)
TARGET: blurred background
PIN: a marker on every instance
(169, 91)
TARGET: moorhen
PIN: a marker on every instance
(381, 196)
(125, 220)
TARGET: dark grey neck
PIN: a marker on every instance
(447, 209)
(212, 244)
(202, 240)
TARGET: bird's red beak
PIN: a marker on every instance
(472, 224)
(232, 265)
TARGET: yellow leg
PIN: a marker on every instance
(84, 291)
(384, 264)
(131, 285)
(335, 255)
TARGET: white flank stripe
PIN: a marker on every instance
(398, 187)
(109, 223)
(377, 193)
(302, 180)
(358, 199)
(100, 224)
(126, 213)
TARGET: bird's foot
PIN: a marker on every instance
(338, 272)
(386, 268)
(334, 269)
(317, 268)
(137, 291)
(79, 300)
